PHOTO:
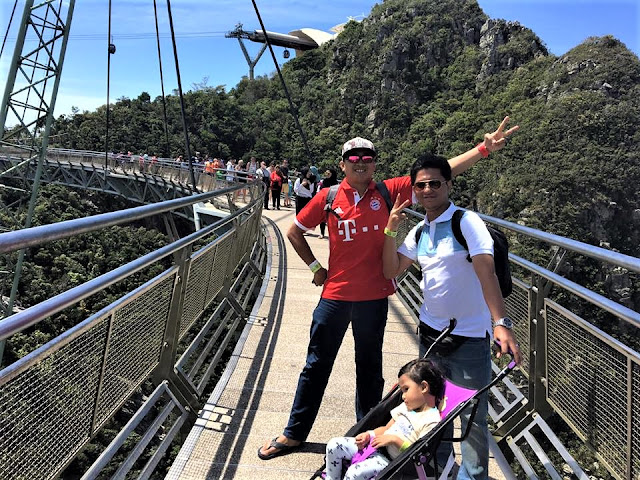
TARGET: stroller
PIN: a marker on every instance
(421, 454)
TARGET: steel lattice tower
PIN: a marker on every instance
(29, 100)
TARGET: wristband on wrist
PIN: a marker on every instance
(406, 444)
(390, 233)
(482, 148)
(315, 266)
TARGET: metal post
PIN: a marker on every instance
(538, 369)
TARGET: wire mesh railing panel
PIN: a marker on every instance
(587, 384)
(135, 344)
(517, 305)
(245, 234)
(196, 289)
(47, 410)
(220, 266)
(635, 421)
(236, 250)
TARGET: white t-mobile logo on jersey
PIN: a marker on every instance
(347, 228)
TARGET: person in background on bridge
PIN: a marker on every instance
(284, 168)
(141, 162)
(241, 177)
(264, 174)
(252, 168)
(231, 170)
(329, 179)
(276, 187)
(218, 168)
(355, 290)
(304, 188)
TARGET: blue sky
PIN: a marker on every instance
(205, 52)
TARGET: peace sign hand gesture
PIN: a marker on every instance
(396, 216)
(498, 139)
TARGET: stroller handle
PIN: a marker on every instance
(446, 331)
(497, 347)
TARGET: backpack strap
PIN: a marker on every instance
(457, 231)
(331, 196)
(419, 232)
(384, 191)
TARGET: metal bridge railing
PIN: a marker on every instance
(166, 168)
(57, 398)
(571, 367)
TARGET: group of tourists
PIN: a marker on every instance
(459, 281)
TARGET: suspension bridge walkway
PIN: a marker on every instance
(236, 284)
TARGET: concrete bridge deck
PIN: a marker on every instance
(252, 400)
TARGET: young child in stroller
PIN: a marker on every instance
(422, 385)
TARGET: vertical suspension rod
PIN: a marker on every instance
(182, 109)
(164, 102)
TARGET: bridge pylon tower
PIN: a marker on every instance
(29, 99)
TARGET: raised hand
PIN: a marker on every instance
(396, 216)
(498, 139)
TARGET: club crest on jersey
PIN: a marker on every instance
(375, 204)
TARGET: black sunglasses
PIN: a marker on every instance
(433, 184)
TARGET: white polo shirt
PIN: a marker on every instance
(449, 283)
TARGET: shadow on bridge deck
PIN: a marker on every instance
(251, 402)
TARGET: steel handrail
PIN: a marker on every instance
(25, 238)
(36, 313)
(598, 253)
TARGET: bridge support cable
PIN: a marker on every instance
(4, 41)
(109, 53)
(167, 152)
(29, 106)
(182, 109)
(294, 110)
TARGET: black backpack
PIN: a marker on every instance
(333, 190)
(500, 251)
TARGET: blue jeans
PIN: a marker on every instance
(468, 366)
(330, 321)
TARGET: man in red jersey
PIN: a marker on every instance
(354, 288)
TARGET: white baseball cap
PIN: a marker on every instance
(356, 143)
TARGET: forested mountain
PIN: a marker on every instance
(420, 75)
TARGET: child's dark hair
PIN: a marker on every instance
(420, 370)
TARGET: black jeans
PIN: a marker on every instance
(275, 197)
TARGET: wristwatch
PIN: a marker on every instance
(505, 322)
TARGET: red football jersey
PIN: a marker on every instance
(356, 239)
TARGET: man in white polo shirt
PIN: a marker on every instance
(453, 287)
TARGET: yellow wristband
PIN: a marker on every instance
(406, 444)
(390, 233)
(315, 266)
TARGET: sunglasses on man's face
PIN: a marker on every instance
(433, 184)
(360, 158)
